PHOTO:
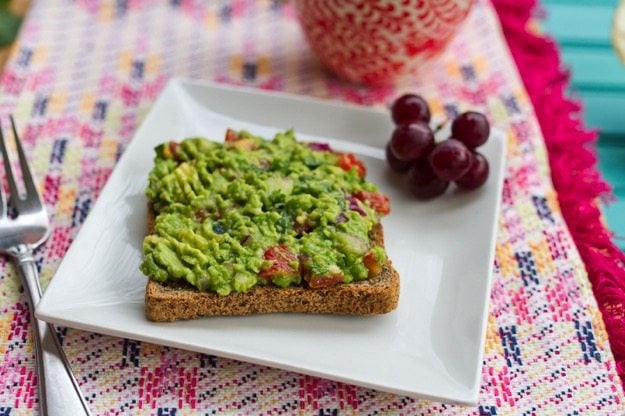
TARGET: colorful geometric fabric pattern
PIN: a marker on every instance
(83, 76)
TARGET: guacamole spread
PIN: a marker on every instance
(252, 212)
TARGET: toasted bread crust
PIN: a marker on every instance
(376, 295)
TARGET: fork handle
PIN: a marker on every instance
(59, 393)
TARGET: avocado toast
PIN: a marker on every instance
(259, 226)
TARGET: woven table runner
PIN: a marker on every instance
(83, 75)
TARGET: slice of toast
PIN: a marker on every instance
(376, 295)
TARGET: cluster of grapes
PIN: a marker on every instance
(432, 166)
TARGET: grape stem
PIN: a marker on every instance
(440, 126)
(440, 131)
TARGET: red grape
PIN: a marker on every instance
(396, 164)
(431, 166)
(450, 159)
(410, 108)
(411, 141)
(423, 182)
(477, 173)
(471, 128)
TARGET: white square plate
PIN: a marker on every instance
(430, 347)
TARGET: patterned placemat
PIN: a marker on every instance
(84, 74)
(572, 150)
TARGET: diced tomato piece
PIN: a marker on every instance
(371, 263)
(172, 149)
(347, 161)
(232, 136)
(283, 262)
(317, 282)
(376, 200)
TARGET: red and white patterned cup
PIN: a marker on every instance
(375, 42)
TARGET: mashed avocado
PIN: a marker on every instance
(253, 212)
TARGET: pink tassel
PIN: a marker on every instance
(573, 165)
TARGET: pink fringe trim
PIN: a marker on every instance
(573, 165)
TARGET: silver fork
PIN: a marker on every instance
(59, 393)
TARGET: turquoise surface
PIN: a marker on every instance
(582, 29)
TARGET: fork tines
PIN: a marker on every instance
(30, 198)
